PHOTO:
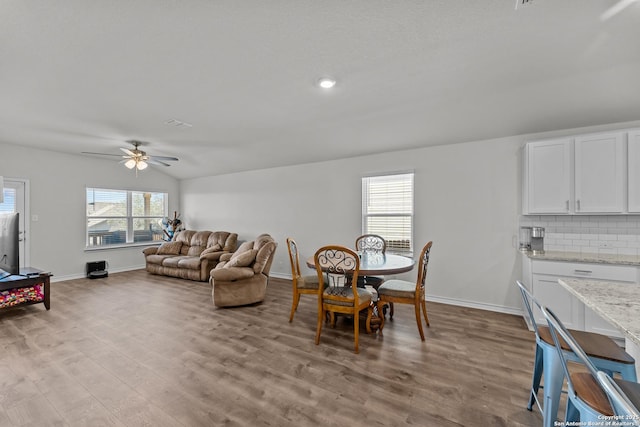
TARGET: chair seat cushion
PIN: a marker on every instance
(397, 288)
(308, 282)
(363, 295)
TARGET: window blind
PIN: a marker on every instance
(387, 210)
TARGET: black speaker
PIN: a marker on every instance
(97, 269)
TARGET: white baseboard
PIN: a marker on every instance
(450, 301)
(473, 304)
(55, 278)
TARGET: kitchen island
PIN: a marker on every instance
(616, 302)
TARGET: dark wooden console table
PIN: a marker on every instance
(28, 277)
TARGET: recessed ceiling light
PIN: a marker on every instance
(326, 83)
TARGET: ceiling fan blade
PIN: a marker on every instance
(154, 161)
(164, 158)
(127, 151)
(101, 154)
(616, 8)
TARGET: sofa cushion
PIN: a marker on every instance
(243, 259)
(169, 248)
(172, 261)
(227, 241)
(246, 246)
(157, 259)
(191, 263)
(263, 255)
(184, 237)
(211, 249)
(198, 243)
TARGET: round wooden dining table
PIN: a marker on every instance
(379, 264)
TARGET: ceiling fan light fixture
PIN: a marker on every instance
(131, 163)
(141, 165)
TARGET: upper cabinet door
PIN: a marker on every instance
(548, 178)
(600, 171)
(634, 171)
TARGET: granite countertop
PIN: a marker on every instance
(617, 302)
(586, 257)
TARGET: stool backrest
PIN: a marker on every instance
(620, 402)
(527, 298)
(559, 331)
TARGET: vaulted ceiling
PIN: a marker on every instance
(78, 75)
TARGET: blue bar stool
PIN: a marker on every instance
(605, 354)
(588, 402)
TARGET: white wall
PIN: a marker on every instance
(57, 196)
(467, 200)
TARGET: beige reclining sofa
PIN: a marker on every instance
(241, 278)
(190, 254)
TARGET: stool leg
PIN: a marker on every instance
(553, 378)
(537, 376)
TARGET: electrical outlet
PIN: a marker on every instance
(604, 244)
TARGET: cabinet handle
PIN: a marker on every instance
(567, 205)
(582, 271)
(578, 205)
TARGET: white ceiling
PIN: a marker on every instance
(78, 75)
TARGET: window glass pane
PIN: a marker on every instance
(120, 217)
(148, 204)
(9, 204)
(147, 229)
(106, 202)
(106, 231)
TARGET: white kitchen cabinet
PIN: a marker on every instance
(633, 164)
(572, 312)
(548, 176)
(551, 294)
(584, 174)
(600, 171)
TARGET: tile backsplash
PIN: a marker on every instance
(604, 234)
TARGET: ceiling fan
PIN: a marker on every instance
(138, 159)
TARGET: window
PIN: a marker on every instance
(387, 210)
(9, 204)
(120, 217)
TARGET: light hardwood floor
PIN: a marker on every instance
(136, 349)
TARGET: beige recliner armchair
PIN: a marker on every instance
(241, 278)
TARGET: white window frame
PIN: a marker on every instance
(129, 218)
(391, 248)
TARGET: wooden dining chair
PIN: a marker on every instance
(372, 244)
(403, 292)
(337, 268)
(302, 285)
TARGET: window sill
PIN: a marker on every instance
(121, 246)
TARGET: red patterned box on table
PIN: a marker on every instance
(16, 296)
